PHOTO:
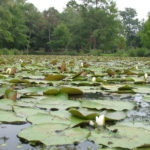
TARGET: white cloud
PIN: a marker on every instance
(141, 6)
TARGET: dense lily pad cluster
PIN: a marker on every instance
(63, 97)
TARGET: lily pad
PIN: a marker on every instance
(40, 118)
(26, 111)
(146, 98)
(59, 104)
(6, 104)
(108, 105)
(118, 115)
(10, 117)
(91, 114)
(39, 91)
(56, 77)
(52, 91)
(71, 91)
(48, 134)
(84, 113)
(144, 125)
(124, 137)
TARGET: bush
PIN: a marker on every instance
(95, 52)
(138, 52)
(70, 52)
(5, 51)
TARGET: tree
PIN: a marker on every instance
(18, 28)
(34, 22)
(51, 17)
(60, 37)
(145, 34)
(96, 3)
(131, 25)
(5, 24)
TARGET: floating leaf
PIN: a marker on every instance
(146, 98)
(108, 104)
(25, 112)
(84, 113)
(52, 91)
(40, 118)
(6, 104)
(10, 117)
(119, 115)
(71, 91)
(124, 137)
(48, 134)
(56, 77)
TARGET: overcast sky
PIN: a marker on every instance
(142, 6)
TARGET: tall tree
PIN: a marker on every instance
(132, 26)
(145, 34)
(5, 25)
(51, 17)
(33, 21)
(61, 36)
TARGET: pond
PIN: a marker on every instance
(48, 102)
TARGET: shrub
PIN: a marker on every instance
(95, 52)
(138, 52)
(5, 51)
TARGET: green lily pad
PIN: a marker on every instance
(48, 134)
(18, 81)
(39, 91)
(10, 117)
(84, 113)
(33, 90)
(24, 104)
(146, 98)
(56, 77)
(52, 91)
(59, 104)
(118, 115)
(26, 111)
(6, 104)
(40, 118)
(71, 91)
(125, 88)
(124, 137)
(142, 89)
(91, 114)
(144, 125)
(107, 104)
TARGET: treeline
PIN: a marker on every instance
(91, 27)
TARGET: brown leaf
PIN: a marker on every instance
(63, 67)
(13, 96)
(13, 71)
(83, 74)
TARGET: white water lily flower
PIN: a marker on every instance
(21, 60)
(145, 76)
(94, 79)
(100, 120)
(82, 64)
(136, 68)
(8, 70)
(91, 123)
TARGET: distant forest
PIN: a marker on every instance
(91, 27)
